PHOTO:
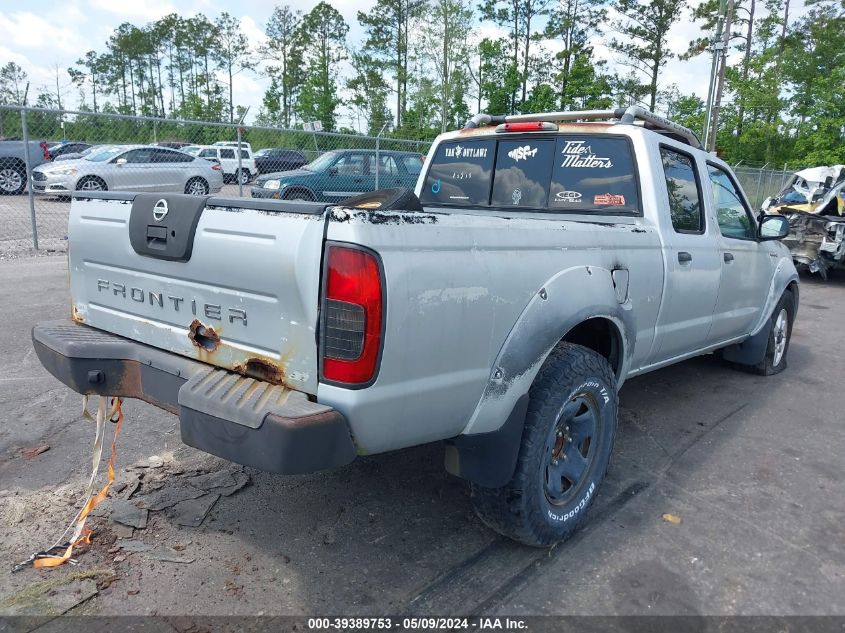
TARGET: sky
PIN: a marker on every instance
(41, 35)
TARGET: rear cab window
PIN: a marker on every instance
(554, 173)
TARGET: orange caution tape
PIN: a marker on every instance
(116, 416)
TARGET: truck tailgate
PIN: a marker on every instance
(230, 282)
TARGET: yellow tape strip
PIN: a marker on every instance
(82, 534)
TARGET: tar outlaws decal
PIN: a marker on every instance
(578, 154)
(459, 151)
(522, 153)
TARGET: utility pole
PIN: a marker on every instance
(720, 84)
(718, 47)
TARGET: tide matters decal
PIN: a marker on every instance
(578, 154)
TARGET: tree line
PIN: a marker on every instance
(420, 69)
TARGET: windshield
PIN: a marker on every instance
(105, 154)
(193, 150)
(262, 152)
(322, 163)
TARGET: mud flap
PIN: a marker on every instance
(751, 351)
(489, 459)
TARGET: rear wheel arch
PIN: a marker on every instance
(601, 335)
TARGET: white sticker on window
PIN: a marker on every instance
(580, 155)
(522, 153)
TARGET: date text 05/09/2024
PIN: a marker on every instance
(416, 623)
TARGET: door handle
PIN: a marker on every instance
(684, 257)
(728, 258)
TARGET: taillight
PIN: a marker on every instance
(44, 150)
(527, 126)
(216, 167)
(352, 316)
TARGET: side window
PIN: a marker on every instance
(138, 156)
(227, 153)
(733, 217)
(353, 164)
(685, 204)
(208, 153)
(244, 155)
(413, 165)
(167, 156)
(387, 166)
(460, 173)
(523, 172)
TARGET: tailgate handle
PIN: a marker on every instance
(157, 237)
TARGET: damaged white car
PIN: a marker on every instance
(814, 202)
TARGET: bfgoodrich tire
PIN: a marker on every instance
(780, 333)
(566, 447)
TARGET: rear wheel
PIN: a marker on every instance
(245, 176)
(12, 179)
(196, 187)
(566, 447)
(91, 183)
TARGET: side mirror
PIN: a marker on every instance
(332, 171)
(120, 161)
(773, 227)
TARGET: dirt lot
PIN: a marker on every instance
(751, 466)
(51, 219)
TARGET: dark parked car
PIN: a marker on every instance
(341, 174)
(274, 159)
(66, 147)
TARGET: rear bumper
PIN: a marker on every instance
(238, 418)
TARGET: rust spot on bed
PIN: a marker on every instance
(262, 369)
(76, 315)
(203, 336)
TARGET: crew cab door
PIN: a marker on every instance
(692, 261)
(745, 262)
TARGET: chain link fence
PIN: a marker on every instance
(761, 182)
(40, 167)
(46, 155)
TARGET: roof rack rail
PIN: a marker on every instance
(625, 116)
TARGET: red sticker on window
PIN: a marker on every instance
(609, 199)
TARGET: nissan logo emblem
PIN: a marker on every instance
(160, 210)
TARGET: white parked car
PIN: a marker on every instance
(228, 158)
(141, 168)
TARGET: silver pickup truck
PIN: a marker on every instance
(542, 260)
